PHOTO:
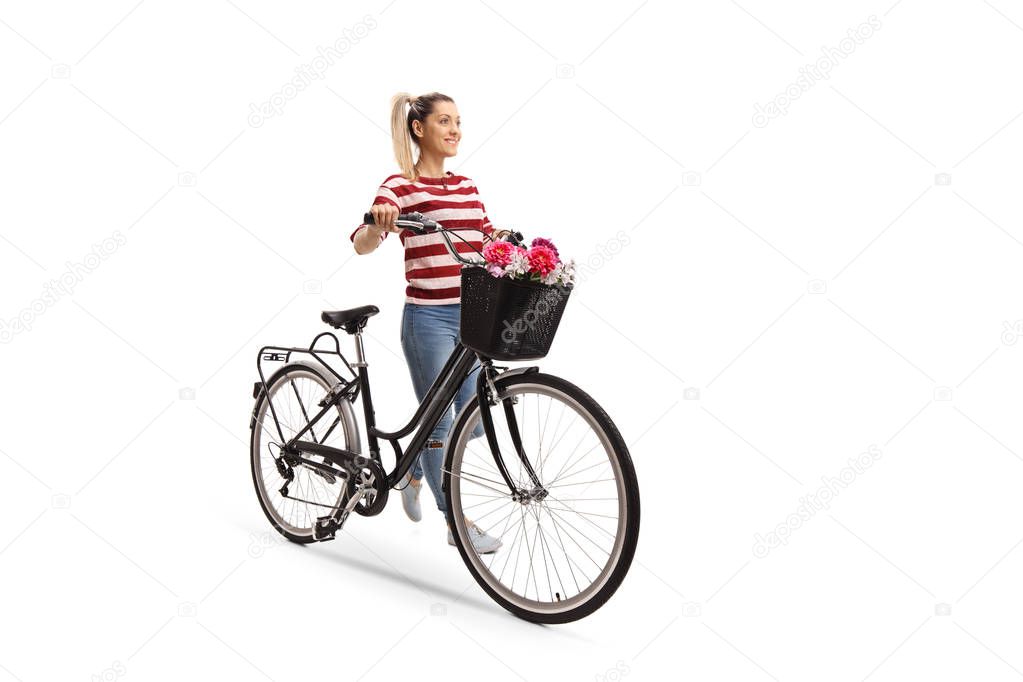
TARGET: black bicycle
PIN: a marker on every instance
(551, 477)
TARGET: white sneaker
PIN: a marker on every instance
(410, 498)
(482, 542)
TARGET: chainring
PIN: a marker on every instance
(371, 475)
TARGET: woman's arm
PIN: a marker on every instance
(385, 210)
(367, 238)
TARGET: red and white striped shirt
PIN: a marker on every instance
(432, 274)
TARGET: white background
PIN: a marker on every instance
(816, 284)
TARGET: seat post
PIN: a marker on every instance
(360, 355)
(367, 398)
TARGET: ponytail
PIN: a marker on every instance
(401, 135)
(401, 126)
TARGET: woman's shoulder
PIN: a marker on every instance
(395, 180)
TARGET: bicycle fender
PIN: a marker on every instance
(531, 369)
(518, 370)
(347, 412)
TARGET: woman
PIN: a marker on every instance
(430, 319)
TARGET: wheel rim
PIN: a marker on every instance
(557, 553)
(297, 390)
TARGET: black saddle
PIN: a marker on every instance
(352, 319)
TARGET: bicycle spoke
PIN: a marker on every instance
(564, 520)
(301, 405)
(480, 504)
(525, 539)
(565, 485)
(532, 569)
(576, 461)
(562, 478)
(568, 559)
(553, 446)
(582, 549)
(576, 511)
(473, 480)
(481, 477)
(500, 537)
(494, 510)
(487, 530)
(543, 553)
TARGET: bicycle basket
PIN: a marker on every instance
(508, 319)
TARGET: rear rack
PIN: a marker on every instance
(349, 387)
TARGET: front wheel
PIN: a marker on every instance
(567, 543)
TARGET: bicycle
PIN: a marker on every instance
(534, 493)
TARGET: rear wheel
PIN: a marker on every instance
(568, 543)
(295, 391)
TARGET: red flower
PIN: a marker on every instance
(542, 259)
(499, 252)
(541, 241)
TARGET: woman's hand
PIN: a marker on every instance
(368, 239)
(384, 216)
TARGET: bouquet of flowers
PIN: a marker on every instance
(539, 263)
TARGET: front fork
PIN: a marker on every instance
(486, 393)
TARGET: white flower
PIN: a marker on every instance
(568, 272)
(555, 275)
(518, 265)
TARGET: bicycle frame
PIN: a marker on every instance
(431, 409)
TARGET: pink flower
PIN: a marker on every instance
(499, 252)
(540, 241)
(542, 259)
(495, 270)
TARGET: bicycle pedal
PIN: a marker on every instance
(325, 528)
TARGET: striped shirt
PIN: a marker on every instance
(431, 273)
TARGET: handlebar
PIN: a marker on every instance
(420, 225)
(416, 222)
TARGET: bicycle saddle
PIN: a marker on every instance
(352, 319)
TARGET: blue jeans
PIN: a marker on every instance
(428, 335)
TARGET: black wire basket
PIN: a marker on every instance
(507, 319)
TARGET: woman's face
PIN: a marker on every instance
(442, 130)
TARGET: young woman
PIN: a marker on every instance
(430, 319)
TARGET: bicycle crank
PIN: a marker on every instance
(367, 496)
(326, 526)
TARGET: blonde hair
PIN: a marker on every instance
(401, 126)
